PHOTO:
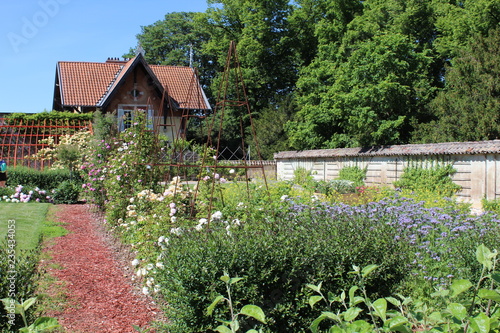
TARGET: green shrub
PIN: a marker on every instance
(46, 179)
(301, 176)
(6, 192)
(66, 193)
(434, 179)
(354, 174)
(25, 280)
(277, 257)
(491, 205)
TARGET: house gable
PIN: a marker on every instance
(86, 86)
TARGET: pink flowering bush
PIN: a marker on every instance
(26, 194)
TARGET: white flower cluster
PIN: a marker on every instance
(163, 242)
(143, 272)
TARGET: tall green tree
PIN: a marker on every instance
(171, 40)
(371, 87)
(266, 55)
(468, 109)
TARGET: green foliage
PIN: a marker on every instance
(429, 179)
(71, 117)
(42, 324)
(353, 173)
(20, 271)
(463, 307)
(69, 155)
(470, 97)
(233, 324)
(130, 168)
(67, 193)
(361, 72)
(45, 179)
(491, 205)
(277, 256)
(302, 176)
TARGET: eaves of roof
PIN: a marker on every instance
(444, 148)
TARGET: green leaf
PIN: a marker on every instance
(368, 269)
(459, 286)
(352, 292)
(496, 276)
(314, 299)
(314, 288)
(397, 324)
(457, 310)
(45, 323)
(323, 316)
(361, 326)
(225, 278)
(7, 301)
(484, 256)
(315, 323)
(351, 314)
(355, 270)
(212, 306)
(342, 296)
(252, 331)
(480, 323)
(489, 294)
(223, 329)
(234, 280)
(28, 303)
(255, 312)
(356, 301)
(394, 301)
(380, 307)
(235, 325)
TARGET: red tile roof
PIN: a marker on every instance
(84, 83)
(181, 85)
(89, 83)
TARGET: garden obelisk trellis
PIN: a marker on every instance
(233, 77)
(231, 94)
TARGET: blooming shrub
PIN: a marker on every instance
(80, 140)
(27, 194)
(277, 256)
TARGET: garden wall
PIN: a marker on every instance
(477, 164)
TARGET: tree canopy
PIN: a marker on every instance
(345, 73)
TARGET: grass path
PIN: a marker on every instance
(29, 222)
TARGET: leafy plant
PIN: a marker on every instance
(66, 193)
(354, 174)
(42, 324)
(25, 266)
(464, 308)
(302, 176)
(435, 178)
(45, 179)
(233, 324)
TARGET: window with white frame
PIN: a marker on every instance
(126, 115)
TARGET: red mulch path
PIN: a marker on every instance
(101, 295)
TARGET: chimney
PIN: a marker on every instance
(116, 60)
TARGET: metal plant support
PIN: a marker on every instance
(180, 160)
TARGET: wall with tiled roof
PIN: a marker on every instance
(477, 164)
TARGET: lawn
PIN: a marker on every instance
(29, 221)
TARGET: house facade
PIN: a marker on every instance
(168, 94)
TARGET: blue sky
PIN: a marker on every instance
(36, 34)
